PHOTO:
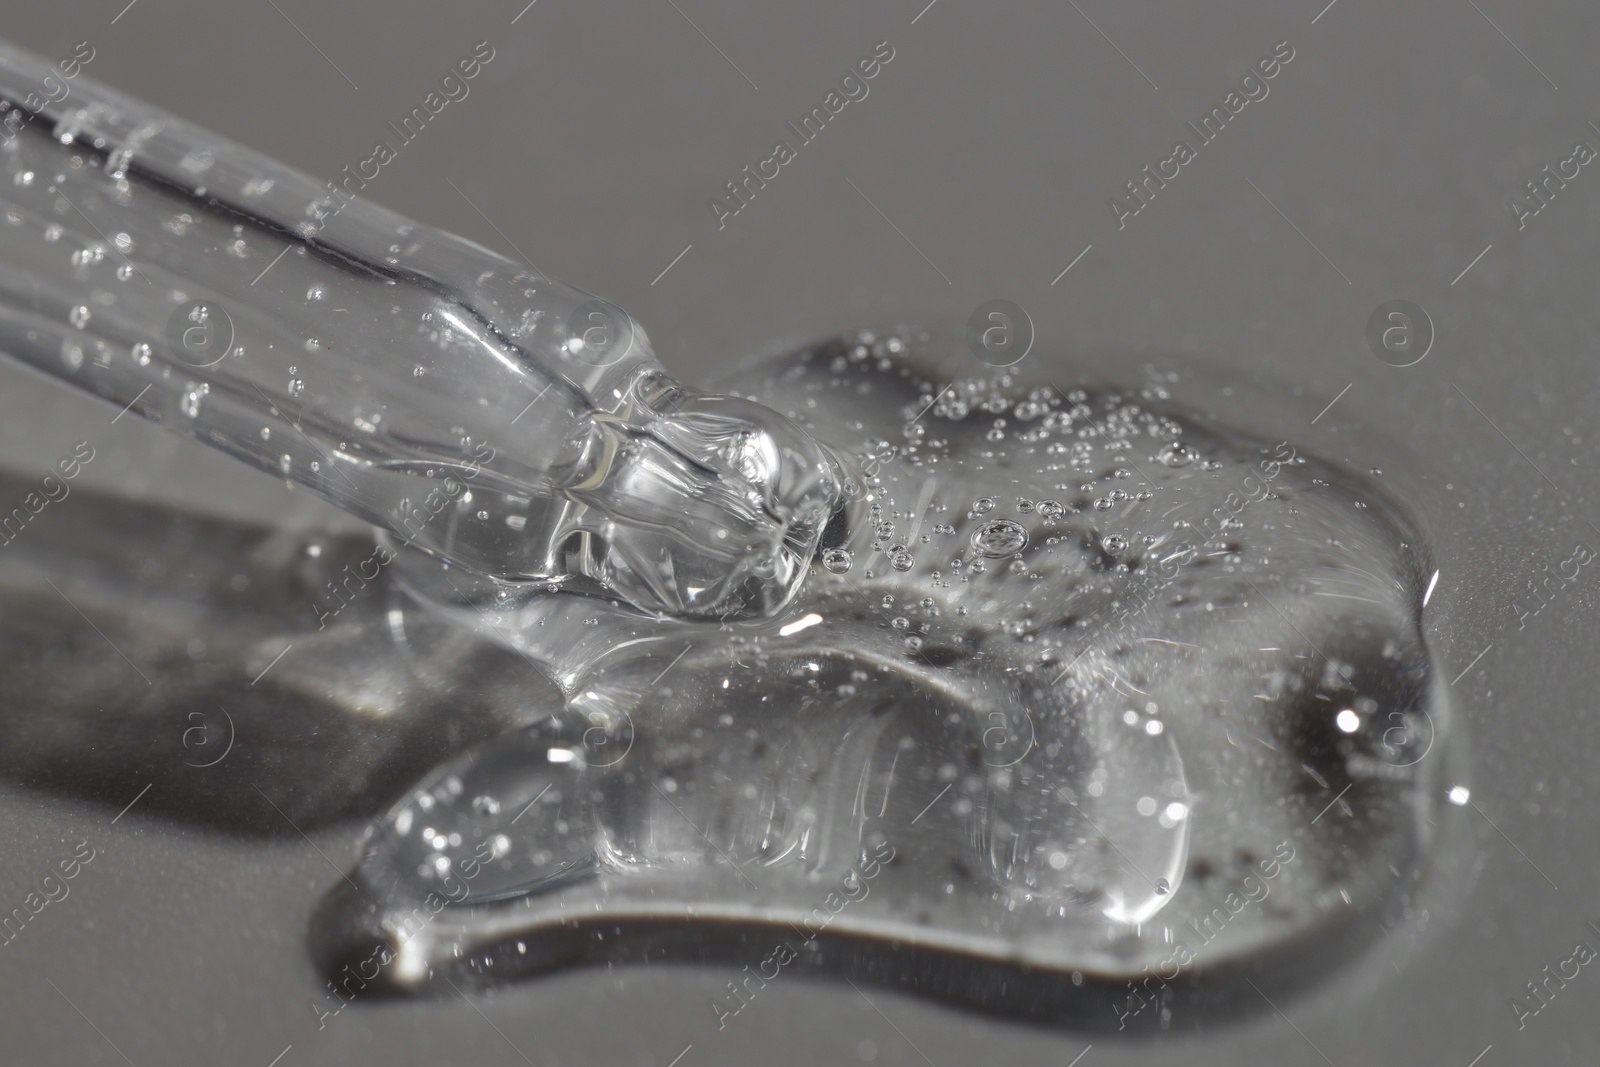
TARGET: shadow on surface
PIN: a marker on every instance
(146, 647)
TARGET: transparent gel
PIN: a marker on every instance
(1133, 662)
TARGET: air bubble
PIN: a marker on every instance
(193, 394)
(999, 537)
(837, 560)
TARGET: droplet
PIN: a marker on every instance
(983, 505)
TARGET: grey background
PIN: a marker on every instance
(993, 140)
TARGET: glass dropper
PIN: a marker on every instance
(481, 412)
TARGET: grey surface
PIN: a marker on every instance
(993, 141)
